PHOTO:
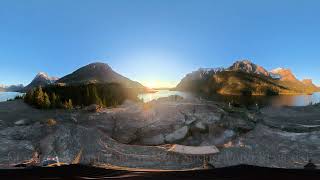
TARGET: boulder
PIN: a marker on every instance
(199, 127)
(155, 140)
(22, 122)
(92, 108)
(177, 135)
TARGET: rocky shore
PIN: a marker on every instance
(139, 135)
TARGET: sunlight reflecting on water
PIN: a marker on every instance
(146, 97)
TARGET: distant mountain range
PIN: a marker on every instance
(12, 88)
(245, 78)
(241, 78)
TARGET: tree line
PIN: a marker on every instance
(58, 96)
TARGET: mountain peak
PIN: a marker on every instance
(42, 74)
(41, 79)
(99, 65)
(98, 72)
(249, 67)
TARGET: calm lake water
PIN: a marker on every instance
(283, 100)
(4, 96)
(146, 97)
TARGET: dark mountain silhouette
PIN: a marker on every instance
(98, 73)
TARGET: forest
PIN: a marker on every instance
(69, 96)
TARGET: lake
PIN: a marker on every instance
(146, 97)
(4, 96)
(282, 100)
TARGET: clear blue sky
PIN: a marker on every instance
(156, 40)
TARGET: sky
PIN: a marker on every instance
(156, 42)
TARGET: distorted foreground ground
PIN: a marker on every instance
(244, 172)
(141, 135)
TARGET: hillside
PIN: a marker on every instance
(243, 78)
(98, 73)
(233, 83)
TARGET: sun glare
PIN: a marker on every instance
(158, 84)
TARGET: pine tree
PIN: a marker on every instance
(29, 97)
(53, 99)
(38, 97)
(46, 101)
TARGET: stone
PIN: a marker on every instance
(92, 108)
(200, 126)
(194, 150)
(22, 122)
(177, 135)
(155, 140)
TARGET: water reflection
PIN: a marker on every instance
(283, 100)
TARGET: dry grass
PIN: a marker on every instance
(51, 122)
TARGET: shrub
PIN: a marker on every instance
(51, 122)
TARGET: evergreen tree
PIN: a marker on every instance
(46, 101)
(53, 100)
(29, 97)
(38, 97)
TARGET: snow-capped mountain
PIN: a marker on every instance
(249, 67)
(41, 79)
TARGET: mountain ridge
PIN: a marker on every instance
(98, 73)
(245, 77)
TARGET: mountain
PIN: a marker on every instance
(310, 84)
(15, 88)
(285, 74)
(41, 79)
(98, 73)
(244, 78)
(248, 67)
(12, 88)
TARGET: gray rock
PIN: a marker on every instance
(92, 108)
(15, 151)
(22, 122)
(177, 135)
(199, 127)
(155, 140)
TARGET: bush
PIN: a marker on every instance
(51, 122)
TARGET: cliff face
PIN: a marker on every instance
(285, 74)
(248, 67)
(309, 83)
